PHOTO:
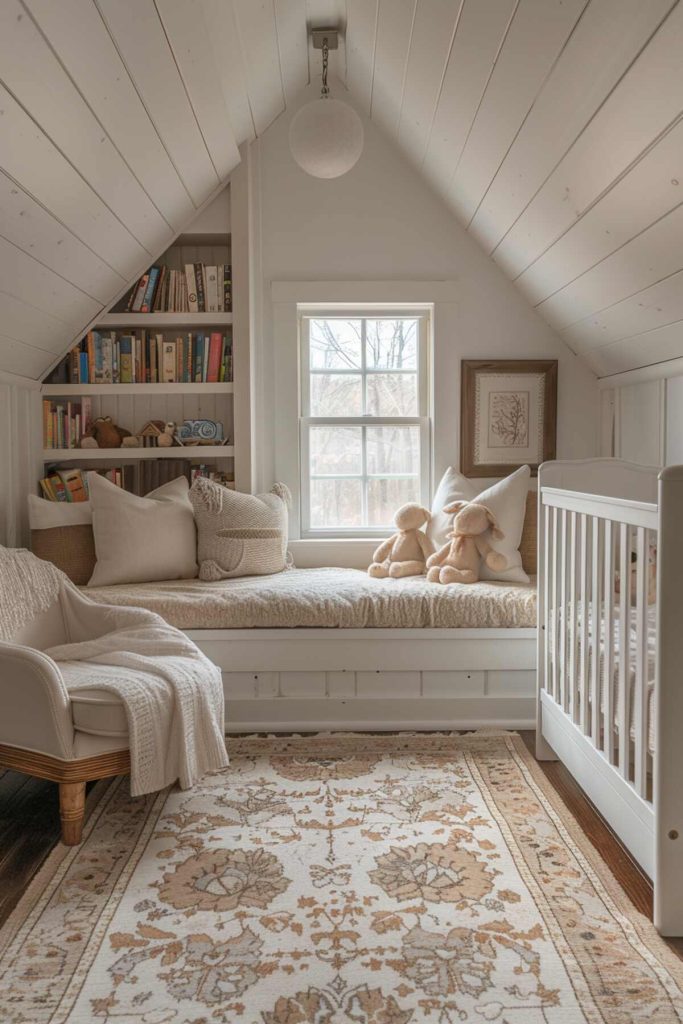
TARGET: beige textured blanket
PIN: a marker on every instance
(172, 693)
(328, 598)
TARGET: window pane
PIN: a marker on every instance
(336, 503)
(392, 394)
(393, 449)
(336, 450)
(336, 394)
(385, 496)
(335, 344)
(391, 344)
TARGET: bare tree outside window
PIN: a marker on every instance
(366, 368)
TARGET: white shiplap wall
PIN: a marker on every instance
(20, 448)
(552, 128)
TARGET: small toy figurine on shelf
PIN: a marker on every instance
(103, 433)
(154, 434)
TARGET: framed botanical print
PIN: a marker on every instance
(508, 415)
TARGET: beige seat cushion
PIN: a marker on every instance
(99, 713)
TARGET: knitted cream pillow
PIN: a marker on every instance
(239, 534)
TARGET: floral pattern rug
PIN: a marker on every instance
(348, 879)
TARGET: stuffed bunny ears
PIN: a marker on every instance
(458, 506)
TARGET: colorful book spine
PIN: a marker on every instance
(199, 284)
(215, 347)
(126, 365)
(198, 358)
(148, 297)
(140, 294)
(168, 366)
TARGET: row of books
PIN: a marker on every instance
(65, 423)
(145, 358)
(65, 485)
(69, 484)
(197, 288)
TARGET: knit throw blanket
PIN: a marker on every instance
(172, 693)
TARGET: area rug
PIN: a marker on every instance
(337, 880)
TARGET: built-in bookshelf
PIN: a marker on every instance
(201, 453)
(133, 404)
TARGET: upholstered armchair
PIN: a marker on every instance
(49, 734)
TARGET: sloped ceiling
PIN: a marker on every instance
(552, 128)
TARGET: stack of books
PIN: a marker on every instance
(145, 358)
(195, 289)
(65, 484)
(65, 423)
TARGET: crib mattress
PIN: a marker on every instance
(328, 598)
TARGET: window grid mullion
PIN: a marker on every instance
(420, 421)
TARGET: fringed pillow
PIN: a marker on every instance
(239, 534)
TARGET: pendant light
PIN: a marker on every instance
(326, 135)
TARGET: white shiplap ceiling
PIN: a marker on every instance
(552, 128)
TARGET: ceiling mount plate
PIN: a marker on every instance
(319, 34)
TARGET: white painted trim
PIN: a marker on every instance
(368, 650)
(383, 715)
(655, 371)
(375, 293)
(23, 382)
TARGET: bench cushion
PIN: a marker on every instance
(328, 598)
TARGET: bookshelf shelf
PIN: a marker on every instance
(138, 320)
(203, 452)
(67, 390)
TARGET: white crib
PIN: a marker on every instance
(610, 655)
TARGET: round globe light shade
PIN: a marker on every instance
(326, 138)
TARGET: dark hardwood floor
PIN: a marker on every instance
(29, 829)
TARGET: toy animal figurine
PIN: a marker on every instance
(404, 553)
(458, 561)
(103, 433)
(168, 436)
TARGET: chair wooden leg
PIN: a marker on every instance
(72, 811)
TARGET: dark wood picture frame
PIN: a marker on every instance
(470, 368)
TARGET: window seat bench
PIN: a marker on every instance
(311, 649)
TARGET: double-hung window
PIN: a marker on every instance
(364, 418)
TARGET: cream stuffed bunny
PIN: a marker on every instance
(458, 561)
(405, 553)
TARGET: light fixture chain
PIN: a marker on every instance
(326, 53)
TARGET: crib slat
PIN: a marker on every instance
(640, 720)
(596, 637)
(556, 607)
(585, 614)
(548, 556)
(571, 625)
(608, 656)
(563, 611)
(623, 650)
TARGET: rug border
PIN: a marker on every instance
(643, 925)
(243, 745)
(48, 869)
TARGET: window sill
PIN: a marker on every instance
(342, 552)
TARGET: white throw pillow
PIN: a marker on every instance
(239, 534)
(506, 499)
(139, 540)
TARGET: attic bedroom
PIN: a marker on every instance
(341, 475)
